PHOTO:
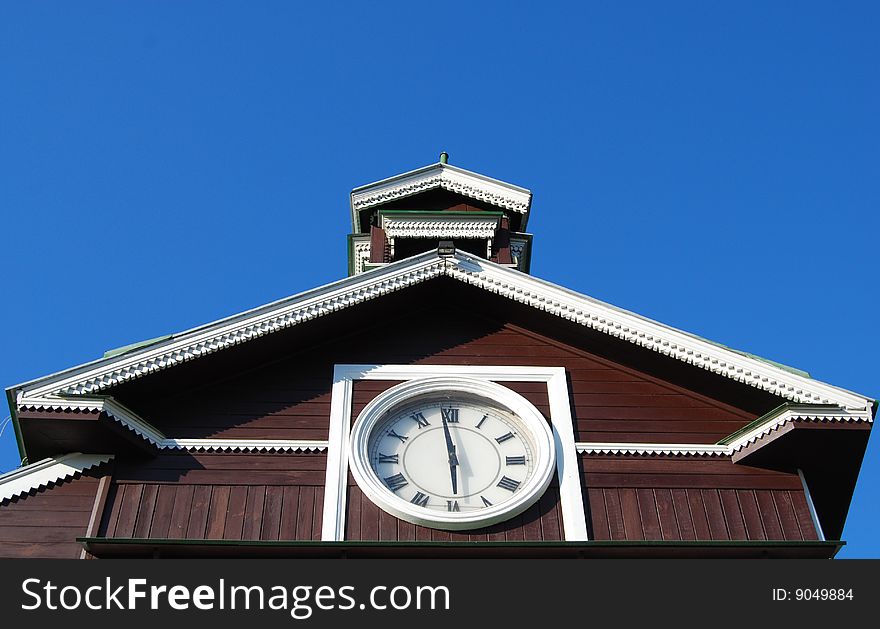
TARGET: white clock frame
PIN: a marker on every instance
(543, 451)
(570, 493)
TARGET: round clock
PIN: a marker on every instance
(452, 453)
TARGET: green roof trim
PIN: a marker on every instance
(123, 541)
(783, 366)
(135, 346)
(766, 417)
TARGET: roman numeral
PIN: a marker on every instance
(513, 460)
(508, 483)
(485, 502)
(420, 420)
(420, 499)
(401, 437)
(504, 438)
(395, 482)
(450, 415)
(392, 458)
(452, 505)
(485, 417)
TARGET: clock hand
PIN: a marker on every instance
(453, 458)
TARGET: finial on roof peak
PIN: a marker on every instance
(444, 157)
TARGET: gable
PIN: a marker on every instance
(285, 391)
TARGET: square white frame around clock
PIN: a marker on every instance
(571, 501)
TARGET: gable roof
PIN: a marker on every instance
(465, 182)
(94, 377)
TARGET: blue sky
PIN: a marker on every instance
(710, 165)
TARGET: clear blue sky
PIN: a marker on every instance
(714, 166)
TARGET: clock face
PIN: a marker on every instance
(442, 454)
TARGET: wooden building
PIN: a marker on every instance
(439, 401)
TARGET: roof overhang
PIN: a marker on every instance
(39, 475)
(465, 182)
(92, 378)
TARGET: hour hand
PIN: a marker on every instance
(453, 458)
(453, 464)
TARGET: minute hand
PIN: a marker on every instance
(453, 459)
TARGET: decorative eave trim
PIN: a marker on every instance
(439, 227)
(128, 419)
(653, 449)
(788, 413)
(452, 178)
(244, 445)
(591, 313)
(52, 470)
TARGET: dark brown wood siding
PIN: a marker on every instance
(218, 496)
(690, 498)
(366, 522)
(46, 522)
(291, 399)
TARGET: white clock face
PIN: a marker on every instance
(452, 456)
(452, 453)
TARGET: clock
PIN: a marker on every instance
(452, 453)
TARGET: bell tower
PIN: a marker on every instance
(414, 212)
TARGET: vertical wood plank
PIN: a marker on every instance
(598, 515)
(162, 513)
(253, 513)
(217, 512)
(629, 507)
(514, 532)
(353, 515)
(751, 515)
(289, 513)
(180, 512)
(787, 518)
(272, 513)
(550, 522)
(318, 518)
(648, 514)
(387, 527)
(803, 515)
(714, 514)
(305, 513)
(369, 520)
(128, 511)
(683, 517)
(732, 514)
(111, 514)
(406, 531)
(616, 526)
(532, 523)
(198, 516)
(698, 514)
(145, 514)
(666, 513)
(769, 516)
(235, 512)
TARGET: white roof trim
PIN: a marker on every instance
(452, 178)
(93, 377)
(38, 475)
(245, 445)
(776, 420)
(680, 449)
(143, 429)
(439, 226)
(769, 423)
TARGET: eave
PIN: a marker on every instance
(458, 180)
(93, 378)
